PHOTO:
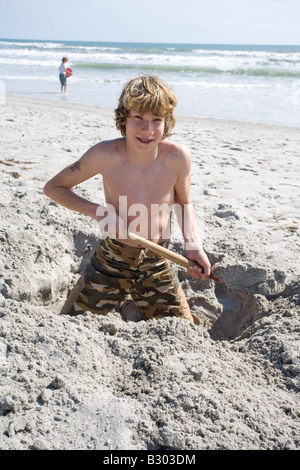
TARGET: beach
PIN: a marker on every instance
(253, 83)
(121, 383)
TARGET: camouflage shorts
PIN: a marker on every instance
(116, 271)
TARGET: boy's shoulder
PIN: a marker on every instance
(176, 151)
(169, 147)
(103, 154)
(112, 144)
(175, 147)
(108, 147)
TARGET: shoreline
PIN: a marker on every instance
(179, 117)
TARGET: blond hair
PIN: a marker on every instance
(147, 94)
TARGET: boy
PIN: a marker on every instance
(142, 171)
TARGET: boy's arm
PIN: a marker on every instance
(59, 188)
(194, 249)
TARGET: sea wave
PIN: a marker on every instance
(31, 44)
(194, 69)
(204, 62)
(255, 82)
(218, 57)
(158, 67)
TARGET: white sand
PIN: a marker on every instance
(106, 383)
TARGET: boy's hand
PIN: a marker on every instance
(202, 267)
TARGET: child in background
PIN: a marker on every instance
(62, 75)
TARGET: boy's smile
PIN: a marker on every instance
(145, 141)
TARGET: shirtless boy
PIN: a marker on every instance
(145, 170)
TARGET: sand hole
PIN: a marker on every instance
(239, 311)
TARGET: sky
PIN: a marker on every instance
(169, 21)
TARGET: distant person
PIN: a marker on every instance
(63, 76)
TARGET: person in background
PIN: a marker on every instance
(62, 75)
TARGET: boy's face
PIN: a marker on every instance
(146, 130)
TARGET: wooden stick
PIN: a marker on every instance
(162, 251)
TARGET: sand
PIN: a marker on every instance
(118, 382)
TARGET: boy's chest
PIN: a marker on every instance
(153, 185)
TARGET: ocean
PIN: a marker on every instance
(235, 82)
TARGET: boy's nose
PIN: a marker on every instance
(147, 125)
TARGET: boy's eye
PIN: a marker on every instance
(140, 117)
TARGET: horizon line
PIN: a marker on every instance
(148, 42)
